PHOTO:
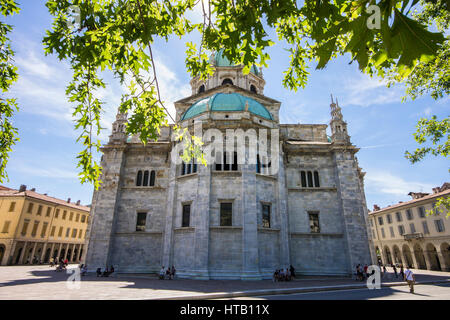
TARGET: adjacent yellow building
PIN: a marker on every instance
(35, 227)
(405, 234)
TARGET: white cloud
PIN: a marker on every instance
(377, 181)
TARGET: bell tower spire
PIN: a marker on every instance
(338, 126)
(118, 134)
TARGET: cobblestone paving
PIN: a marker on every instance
(43, 282)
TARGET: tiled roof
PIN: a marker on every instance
(406, 203)
(32, 194)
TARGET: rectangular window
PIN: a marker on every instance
(401, 230)
(421, 212)
(439, 225)
(52, 233)
(64, 215)
(266, 216)
(316, 179)
(60, 232)
(49, 209)
(39, 212)
(310, 179)
(6, 227)
(391, 229)
(303, 178)
(185, 219)
(56, 213)
(314, 225)
(374, 234)
(67, 232)
(425, 227)
(398, 215)
(226, 213)
(77, 218)
(389, 218)
(380, 221)
(80, 233)
(409, 214)
(74, 233)
(12, 206)
(35, 227)
(140, 221)
(83, 218)
(30, 208)
(382, 233)
(25, 226)
(44, 229)
(71, 216)
(412, 227)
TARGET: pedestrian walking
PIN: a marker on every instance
(402, 273)
(410, 279)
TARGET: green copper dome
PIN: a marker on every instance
(221, 61)
(227, 102)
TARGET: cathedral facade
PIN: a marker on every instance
(296, 198)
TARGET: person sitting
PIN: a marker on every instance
(161, 273)
(105, 273)
(292, 270)
(111, 270)
(288, 275)
(172, 272)
(282, 275)
(168, 273)
(99, 272)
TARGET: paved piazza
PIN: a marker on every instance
(43, 282)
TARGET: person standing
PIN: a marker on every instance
(402, 273)
(410, 279)
(395, 271)
(292, 270)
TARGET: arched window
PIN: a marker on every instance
(152, 178)
(139, 178)
(201, 89)
(316, 179)
(145, 184)
(227, 81)
(258, 164)
(253, 89)
(310, 180)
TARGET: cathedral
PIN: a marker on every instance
(290, 194)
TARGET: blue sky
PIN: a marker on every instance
(378, 122)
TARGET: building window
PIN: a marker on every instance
(140, 221)
(425, 227)
(49, 209)
(152, 178)
(398, 215)
(39, 211)
(77, 218)
(139, 179)
(52, 233)
(316, 179)
(227, 81)
(188, 168)
(310, 179)
(382, 233)
(79, 234)
(60, 232)
(56, 213)
(67, 232)
(409, 214)
(12, 206)
(35, 227)
(201, 89)
(44, 229)
(64, 215)
(229, 164)
(401, 230)
(26, 222)
(374, 234)
(71, 216)
(74, 233)
(30, 208)
(186, 215)
(389, 218)
(314, 225)
(83, 218)
(421, 212)
(226, 213)
(303, 178)
(391, 229)
(266, 215)
(253, 89)
(412, 227)
(439, 225)
(6, 227)
(380, 221)
(145, 183)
